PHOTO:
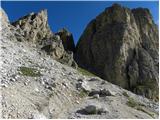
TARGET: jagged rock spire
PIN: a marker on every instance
(35, 26)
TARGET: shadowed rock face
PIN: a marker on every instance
(67, 39)
(121, 46)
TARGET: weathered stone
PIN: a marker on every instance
(67, 58)
(102, 93)
(53, 48)
(96, 96)
(102, 110)
(84, 86)
(94, 109)
(94, 92)
(93, 79)
(105, 92)
(91, 109)
(35, 26)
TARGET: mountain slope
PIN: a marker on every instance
(34, 85)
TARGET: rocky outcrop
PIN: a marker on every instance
(36, 30)
(35, 26)
(67, 39)
(121, 46)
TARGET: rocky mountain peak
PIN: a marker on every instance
(43, 13)
(116, 5)
(116, 13)
(35, 26)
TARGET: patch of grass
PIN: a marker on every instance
(85, 72)
(83, 93)
(131, 102)
(145, 111)
(151, 88)
(125, 94)
(138, 106)
(32, 72)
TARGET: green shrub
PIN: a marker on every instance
(140, 108)
(83, 93)
(125, 94)
(85, 72)
(131, 102)
(32, 72)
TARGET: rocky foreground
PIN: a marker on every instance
(35, 85)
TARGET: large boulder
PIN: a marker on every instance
(94, 109)
(121, 46)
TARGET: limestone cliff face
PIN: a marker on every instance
(35, 26)
(121, 46)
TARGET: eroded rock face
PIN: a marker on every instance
(121, 46)
(35, 26)
(36, 30)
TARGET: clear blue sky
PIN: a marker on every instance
(73, 15)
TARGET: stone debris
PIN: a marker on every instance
(83, 85)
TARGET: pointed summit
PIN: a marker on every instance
(35, 26)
